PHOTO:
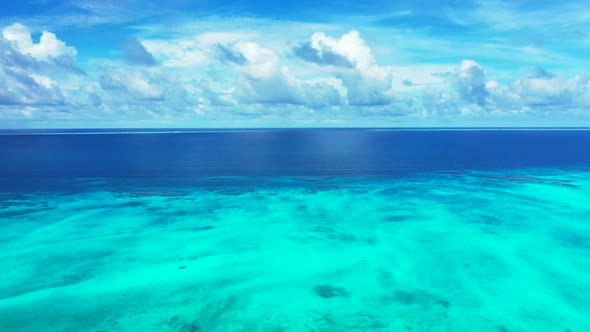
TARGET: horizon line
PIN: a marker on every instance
(188, 130)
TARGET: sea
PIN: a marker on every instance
(350, 229)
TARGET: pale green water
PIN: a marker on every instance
(506, 251)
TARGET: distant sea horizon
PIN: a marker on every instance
(150, 129)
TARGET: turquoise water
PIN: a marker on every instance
(465, 251)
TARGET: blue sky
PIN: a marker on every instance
(88, 63)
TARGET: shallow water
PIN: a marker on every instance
(469, 251)
(320, 230)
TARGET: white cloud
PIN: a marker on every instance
(195, 51)
(239, 75)
(366, 82)
(265, 80)
(134, 83)
(48, 47)
(245, 72)
(553, 93)
(438, 102)
(22, 78)
(17, 87)
(468, 92)
(45, 81)
(260, 63)
(470, 82)
(340, 72)
(131, 92)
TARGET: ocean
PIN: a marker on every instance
(295, 230)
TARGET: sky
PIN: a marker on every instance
(321, 63)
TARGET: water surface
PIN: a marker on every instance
(295, 230)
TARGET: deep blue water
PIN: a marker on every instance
(287, 152)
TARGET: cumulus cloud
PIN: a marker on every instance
(348, 51)
(22, 67)
(470, 82)
(232, 75)
(259, 62)
(132, 92)
(208, 96)
(134, 83)
(48, 47)
(255, 74)
(367, 83)
(545, 92)
(465, 90)
(18, 87)
(541, 91)
(537, 90)
(438, 102)
(32, 82)
(196, 50)
(265, 81)
(136, 53)
(48, 51)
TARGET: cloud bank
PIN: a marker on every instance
(239, 76)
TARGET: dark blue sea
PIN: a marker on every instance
(283, 152)
(295, 230)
